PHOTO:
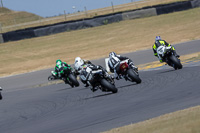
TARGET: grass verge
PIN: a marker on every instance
(183, 121)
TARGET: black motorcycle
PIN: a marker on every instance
(68, 76)
(168, 56)
(100, 79)
(0, 94)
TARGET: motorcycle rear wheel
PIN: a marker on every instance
(134, 76)
(73, 80)
(109, 86)
(1, 96)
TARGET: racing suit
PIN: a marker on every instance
(86, 69)
(114, 65)
(162, 42)
(59, 69)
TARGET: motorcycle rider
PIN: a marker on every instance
(80, 69)
(114, 64)
(159, 42)
(78, 63)
(59, 69)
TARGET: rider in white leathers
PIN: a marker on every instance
(114, 63)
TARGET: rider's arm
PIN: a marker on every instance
(87, 62)
(168, 45)
(93, 67)
(154, 50)
(67, 65)
(122, 57)
(56, 69)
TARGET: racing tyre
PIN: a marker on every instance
(134, 76)
(51, 78)
(109, 86)
(176, 62)
(73, 80)
(1, 96)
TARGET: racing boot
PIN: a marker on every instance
(93, 89)
(133, 66)
(119, 77)
(86, 84)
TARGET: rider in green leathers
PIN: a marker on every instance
(59, 69)
(159, 42)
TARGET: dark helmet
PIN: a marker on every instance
(158, 38)
(112, 54)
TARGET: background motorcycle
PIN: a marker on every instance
(0, 94)
(69, 77)
(99, 80)
(166, 53)
(128, 72)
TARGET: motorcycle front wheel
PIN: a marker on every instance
(109, 86)
(176, 62)
(51, 78)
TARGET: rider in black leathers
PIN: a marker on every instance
(80, 66)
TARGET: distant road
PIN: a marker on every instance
(27, 80)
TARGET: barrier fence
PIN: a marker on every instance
(97, 21)
(18, 23)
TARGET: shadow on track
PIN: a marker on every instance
(170, 70)
(99, 96)
(127, 85)
(65, 89)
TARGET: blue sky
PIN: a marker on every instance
(47, 8)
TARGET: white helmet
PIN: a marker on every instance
(112, 55)
(78, 62)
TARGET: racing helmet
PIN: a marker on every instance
(58, 62)
(112, 54)
(78, 62)
(158, 38)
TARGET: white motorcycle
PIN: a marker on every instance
(166, 53)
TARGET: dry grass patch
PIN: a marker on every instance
(126, 36)
(184, 121)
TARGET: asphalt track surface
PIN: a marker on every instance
(62, 109)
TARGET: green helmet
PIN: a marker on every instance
(58, 61)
